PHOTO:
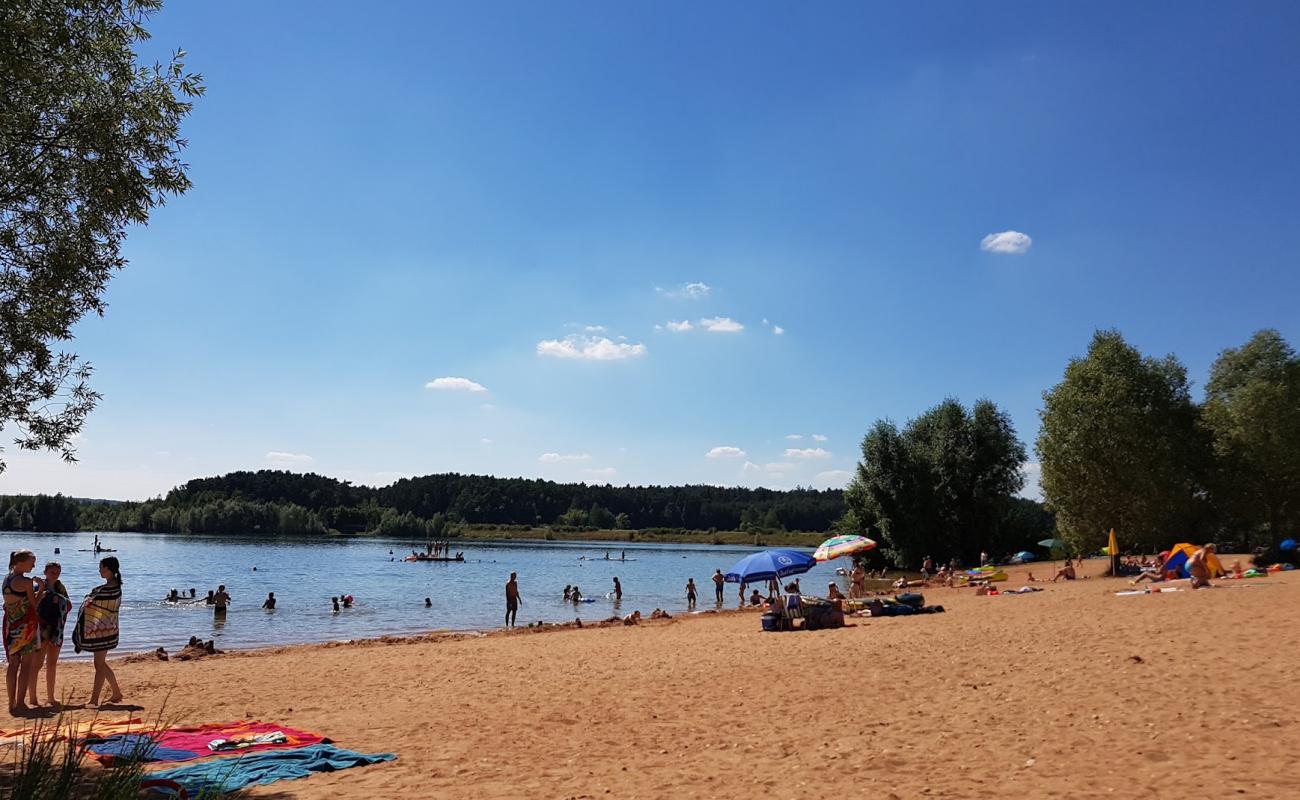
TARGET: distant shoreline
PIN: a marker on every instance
(535, 535)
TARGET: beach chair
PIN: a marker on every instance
(791, 610)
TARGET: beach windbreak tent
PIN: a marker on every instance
(1181, 553)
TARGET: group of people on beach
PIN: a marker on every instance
(36, 611)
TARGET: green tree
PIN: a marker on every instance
(89, 144)
(940, 487)
(622, 522)
(1252, 410)
(1120, 447)
(600, 517)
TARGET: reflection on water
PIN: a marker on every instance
(389, 593)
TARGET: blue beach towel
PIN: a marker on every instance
(232, 774)
(141, 747)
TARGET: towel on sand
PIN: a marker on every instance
(191, 742)
(232, 774)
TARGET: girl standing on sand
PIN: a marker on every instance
(53, 612)
(21, 628)
(96, 629)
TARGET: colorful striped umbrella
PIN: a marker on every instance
(837, 546)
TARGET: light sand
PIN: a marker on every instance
(1070, 692)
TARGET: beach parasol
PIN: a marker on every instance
(1053, 545)
(767, 565)
(847, 545)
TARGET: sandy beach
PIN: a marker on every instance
(1068, 692)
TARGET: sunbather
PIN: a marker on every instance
(1066, 572)
(1198, 566)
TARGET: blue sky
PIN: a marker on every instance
(525, 195)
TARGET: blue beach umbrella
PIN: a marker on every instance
(769, 564)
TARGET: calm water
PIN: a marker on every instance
(389, 594)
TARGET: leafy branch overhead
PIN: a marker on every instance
(89, 144)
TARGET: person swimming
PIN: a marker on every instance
(269, 603)
(428, 603)
(568, 592)
(335, 601)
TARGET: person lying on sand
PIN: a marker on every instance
(901, 583)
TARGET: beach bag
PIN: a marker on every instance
(911, 599)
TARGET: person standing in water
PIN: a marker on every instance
(512, 599)
(219, 601)
(690, 594)
(618, 590)
(96, 629)
(718, 580)
(269, 603)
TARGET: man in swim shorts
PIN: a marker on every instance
(512, 599)
(220, 600)
(718, 580)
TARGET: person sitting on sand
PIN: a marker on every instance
(858, 581)
(1198, 566)
(1066, 572)
(632, 619)
(833, 592)
(755, 599)
(269, 603)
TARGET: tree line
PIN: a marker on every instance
(1122, 445)
(432, 506)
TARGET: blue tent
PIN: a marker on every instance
(1025, 555)
(1288, 544)
(768, 564)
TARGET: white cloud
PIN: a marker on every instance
(807, 453)
(594, 328)
(794, 437)
(679, 327)
(751, 469)
(778, 330)
(589, 348)
(687, 291)
(817, 437)
(455, 385)
(725, 452)
(485, 440)
(721, 325)
(1012, 243)
(278, 457)
(833, 478)
(556, 458)
(601, 472)
(765, 322)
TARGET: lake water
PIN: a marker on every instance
(389, 595)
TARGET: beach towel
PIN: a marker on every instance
(96, 627)
(201, 741)
(53, 611)
(92, 729)
(21, 625)
(232, 774)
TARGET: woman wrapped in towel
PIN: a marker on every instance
(96, 629)
(21, 628)
(53, 611)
